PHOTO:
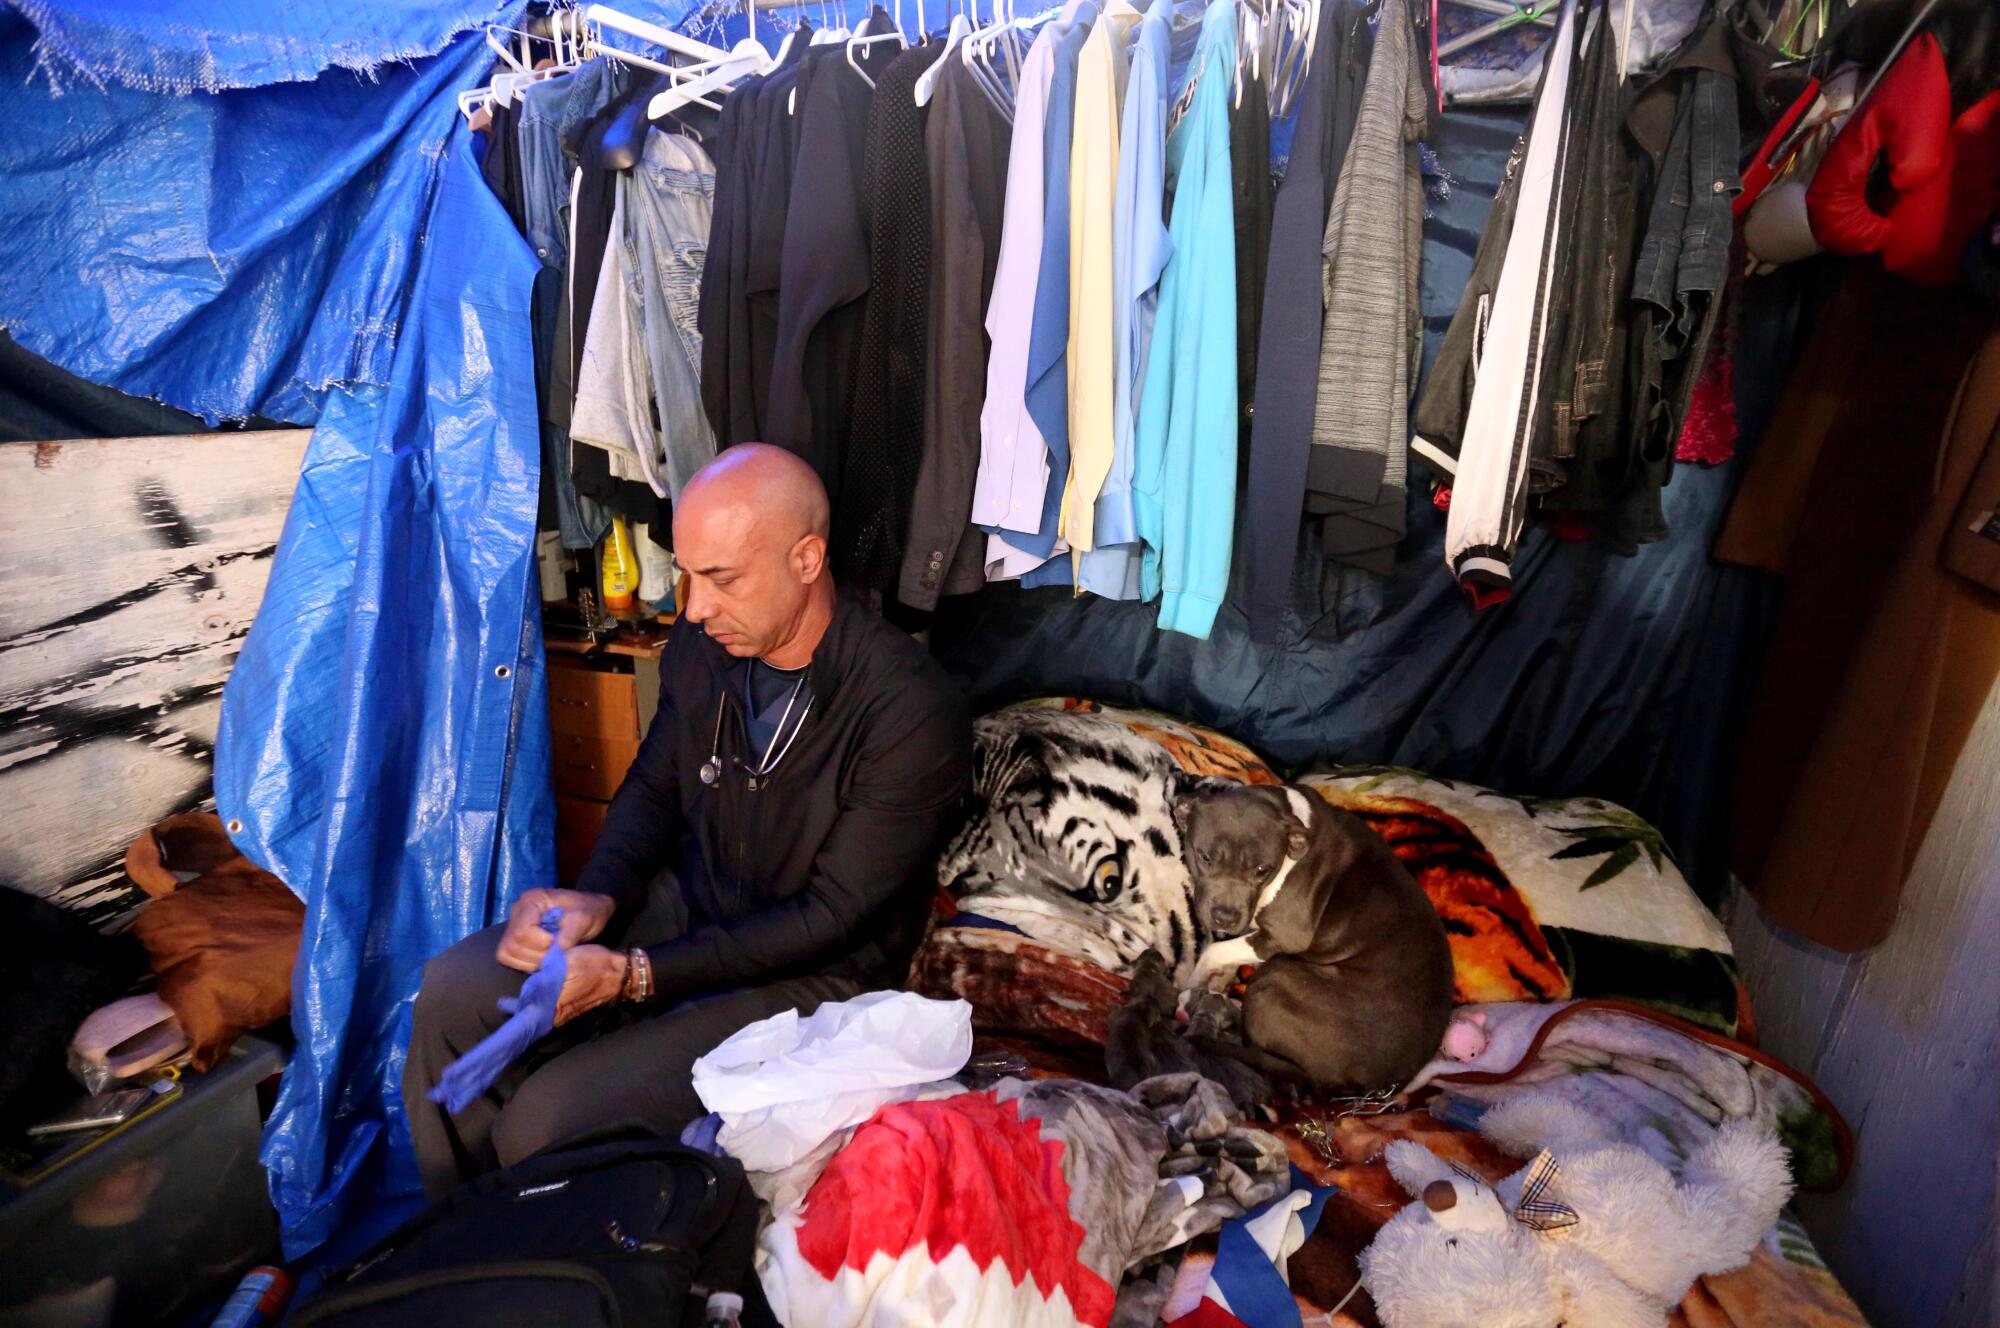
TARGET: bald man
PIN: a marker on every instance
(772, 848)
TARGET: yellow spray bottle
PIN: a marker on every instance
(620, 567)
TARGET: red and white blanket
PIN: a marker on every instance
(1020, 1205)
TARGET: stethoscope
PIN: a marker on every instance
(711, 769)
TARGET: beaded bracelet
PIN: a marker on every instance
(638, 976)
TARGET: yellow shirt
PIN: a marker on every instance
(1093, 186)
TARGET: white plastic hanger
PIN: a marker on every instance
(507, 85)
(1249, 49)
(954, 36)
(1000, 38)
(500, 49)
(829, 31)
(1291, 56)
(693, 83)
(827, 34)
(863, 37)
(975, 53)
(785, 44)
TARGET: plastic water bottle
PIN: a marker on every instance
(258, 1299)
(725, 1310)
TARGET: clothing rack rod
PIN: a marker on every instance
(605, 16)
(779, 4)
(1502, 8)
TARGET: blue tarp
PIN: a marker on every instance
(144, 44)
(385, 738)
(230, 254)
(265, 250)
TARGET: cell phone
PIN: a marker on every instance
(95, 1112)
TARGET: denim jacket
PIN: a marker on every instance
(1584, 446)
(1684, 258)
(671, 194)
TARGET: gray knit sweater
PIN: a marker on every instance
(1372, 341)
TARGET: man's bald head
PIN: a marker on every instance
(751, 529)
(767, 481)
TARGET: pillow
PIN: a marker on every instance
(222, 944)
(1549, 898)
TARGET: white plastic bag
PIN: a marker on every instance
(783, 1084)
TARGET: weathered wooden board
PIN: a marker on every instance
(1906, 1040)
(130, 570)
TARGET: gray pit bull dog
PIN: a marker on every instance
(1353, 981)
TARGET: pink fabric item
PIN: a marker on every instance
(1708, 435)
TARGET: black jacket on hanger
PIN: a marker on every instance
(823, 289)
(966, 140)
(886, 437)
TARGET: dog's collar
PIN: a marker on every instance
(1302, 807)
(1270, 891)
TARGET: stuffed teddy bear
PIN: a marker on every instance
(1591, 1234)
(1465, 1037)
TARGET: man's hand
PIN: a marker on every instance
(524, 942)
(595, 977)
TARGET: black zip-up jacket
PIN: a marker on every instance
(827, 866)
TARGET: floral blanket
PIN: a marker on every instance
(1549, 898)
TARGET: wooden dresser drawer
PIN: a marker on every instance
(593, 703)
(577, 822)
(580, 817)
(591, 767)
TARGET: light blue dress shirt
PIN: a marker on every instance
(1184, 446)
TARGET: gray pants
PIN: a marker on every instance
(610, 1067)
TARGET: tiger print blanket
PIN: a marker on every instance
(1077, 848)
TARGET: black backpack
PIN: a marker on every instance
(603, 1233)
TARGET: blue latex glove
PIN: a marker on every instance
(531, 1015)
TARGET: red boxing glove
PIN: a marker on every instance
(1946, 173)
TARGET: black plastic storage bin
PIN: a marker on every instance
(152, 1223)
